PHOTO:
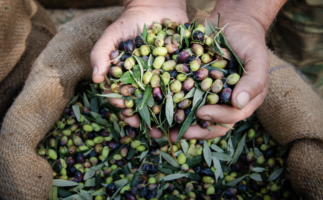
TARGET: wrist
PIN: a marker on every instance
(257, 13)
(148, 3)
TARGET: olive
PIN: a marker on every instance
(201, 74)
(183, 57)
(198, 35)
(158, 95)
(138, 41)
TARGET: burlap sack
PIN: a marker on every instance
(293, 111)
(42, 30)
(50, 85)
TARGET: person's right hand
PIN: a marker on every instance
(137, 13)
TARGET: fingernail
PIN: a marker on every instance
(242, 99)
(95, 70)
(206, 117)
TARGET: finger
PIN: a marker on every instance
(132, 121)
(252, 84)
(225, 114)
(100, 55)
(196, 132)
(155, 133)
(120, 103)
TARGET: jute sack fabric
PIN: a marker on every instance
(41, 31)
(64, 62)
(292, 112)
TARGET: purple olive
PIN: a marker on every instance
(225, 95)
(145, 58)
(127, 112)
(204, 124)
(198, 35)
(216, 74)
(131, 132)
(79, 158)
(125, 56)
(187, 24)
(138, 41)
(113, 145)
(188, 84)
(201, 74)
(78, 175)
(182, 68)
(129, 46)
(179, 116)
(70, 170)
(158, 95)
(120, 163)
(184, 104)
(113, 55)
(121, 47)
(129, 195)
(183, 57)
(70, 161)
(111, 189)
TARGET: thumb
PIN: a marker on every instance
(100, 55)
(253, 83)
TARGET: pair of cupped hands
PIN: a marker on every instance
(247, 39)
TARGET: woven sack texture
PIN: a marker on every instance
(54, 75)
(42, 30)
(15, 27)
(79, 3)
(293, 111)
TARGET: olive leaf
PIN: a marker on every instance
(226, 126)
(150, 101)
(119, 184)
(141, 68)
(146, 96)
(94, 104)
(90, 182)
(75, 196)
(184, 146)
(165, 170)
(73, 100)
(216, 148)
(256, 177)
(169, 159)
(187, 121)
(194, 176)
(116, 125)
(143, 155)
(127, 78)
(76, 110)
(239, 149)
(197, 96)
(182, 34)
(86, 101)
(283, 150)
(63, 183)
(174, 177)
(192, 162)
(119, 56)
(150, 60)
(208, 29)
(144, 113)
(53, 193)
(258, 169)
(169, 108)
(207, 153)
(235, 181)
(265, 135)
(111, 95)
(273, 176)
(257, 151)
(244, 126)
(89, 174)
(135, 179)
(101, 191)
(144, 32)
(221, 156)
(218, 168)
(190, 94)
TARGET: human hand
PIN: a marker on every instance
(137, 13)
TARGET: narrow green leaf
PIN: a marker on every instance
(169, 159)
(208, 29)
(192, 162)
(99, 192)
(258, 169)
(144, 113)
(135, 179)
(90, 182)
(221, 156)
(119, 56)
(150, 60)
(89, 174)
(194, 176)
(94, 104)
(216, 148)
(143, 155)
(86, 101)
(76, 110)
(197, 96)
(141, 68)
(119, 184)
(73, 100)
(218, 168)
(207, 153)
(63, 193)
(146, 96)
(182, 34)
(144, 32)
(63, 183)
(256, 177)
(190, 94)
(265, 135)
(169, 108)
(127, 78)
(165, 170)
(244, 126)
(273, 176)
(227, 126)
(187, 122)
(116, 125)
(239, 149)
(174, 177)
(112, 95)
(235, 181)
(184, 146)
(75, 196)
